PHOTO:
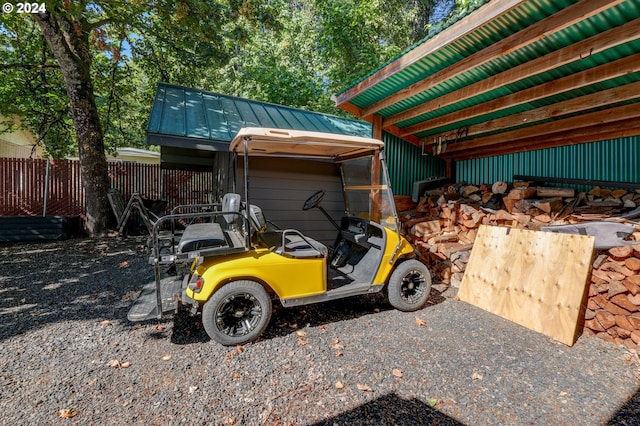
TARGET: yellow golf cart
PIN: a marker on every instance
(231, 263)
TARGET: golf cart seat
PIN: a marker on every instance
(211, 235)
(201, 235)
(285, 242)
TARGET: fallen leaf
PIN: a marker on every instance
(114, 363)
(229, 421)
(396, 372)
(65, 413)
(337, 346)
(240, 348)
(376, 310)
(116, 344)
(166, 357)
(302, 341)
(456, 297)
(420, 322)
(237, 375)
(563, 393)
(192, 389)
(301, 333)
(364, 388)
(159, 327)
(124, 264)
(339, 385)
(294, 326)
(105, 322)
(476, 376)
(432, 402)
(339, 354)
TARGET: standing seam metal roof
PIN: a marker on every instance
(184, 117)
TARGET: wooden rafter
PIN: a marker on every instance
(554, 23)
(592, 45)
(613, 130)
(588, 77)
(575, 105)
(466, 25)
(541, 131)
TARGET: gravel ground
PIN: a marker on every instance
(69, 356)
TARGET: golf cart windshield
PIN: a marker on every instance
(367, 191)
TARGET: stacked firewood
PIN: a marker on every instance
(443, 226)
(613, 305)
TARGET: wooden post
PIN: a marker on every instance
(451, 169)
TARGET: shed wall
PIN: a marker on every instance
(613, 160)
(406, 164)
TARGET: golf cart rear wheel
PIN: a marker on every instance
(409, 286)
(237, 313)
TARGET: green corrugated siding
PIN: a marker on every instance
(614, 160)
(406, 164)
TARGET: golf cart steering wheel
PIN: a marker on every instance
(314, 200)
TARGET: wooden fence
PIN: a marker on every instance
(24, 184)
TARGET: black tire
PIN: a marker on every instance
(409, 286)
(237, 313)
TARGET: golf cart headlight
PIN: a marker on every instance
(196, 283)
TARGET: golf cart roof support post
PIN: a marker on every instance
(246, 192)
(375, 180)
(384, 170)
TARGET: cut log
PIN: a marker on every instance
(606, 319)
(632, 263)
(546, 192)
(499, 187)
(616, 309)
(623, 301)
(621, 252)
(615, 288)
(521, 193)
(633, 288)
(594, 325)
(624, 323)
(469, 189)
(618, 193)
(635, 299)
(634, 321)
(550, 205)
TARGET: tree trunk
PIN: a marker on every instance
(69, 42)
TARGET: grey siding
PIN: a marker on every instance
(281, 186)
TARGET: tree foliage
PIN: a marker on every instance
(291, 52)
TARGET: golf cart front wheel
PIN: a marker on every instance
(409, 286)
(237, 313)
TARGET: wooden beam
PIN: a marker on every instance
(614, 130)
(393, 130)
(588, 77)
(571, 106)
(554, 23)
(377, 127)
(593, 118)
(575, 52)
(352, 109)
(466, 25)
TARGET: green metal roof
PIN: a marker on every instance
(190, 118)
(605, 33)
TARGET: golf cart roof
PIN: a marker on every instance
(302, 144)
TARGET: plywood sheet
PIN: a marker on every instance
(535, 279)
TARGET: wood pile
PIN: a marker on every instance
(613, 305)
(443, 226)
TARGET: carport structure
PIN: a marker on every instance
(511, 77)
